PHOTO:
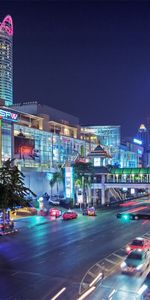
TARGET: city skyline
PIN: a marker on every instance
(89, 59)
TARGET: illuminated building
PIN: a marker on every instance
(38, 152)
(110, 138)
(6, 60)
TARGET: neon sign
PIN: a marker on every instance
(8, 115)
(136, 141)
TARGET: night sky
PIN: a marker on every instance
(90, 59)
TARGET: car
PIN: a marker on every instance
(68, 215)
(90, 211)
(54, 200)
(24, 211)
(138, 243)
(136, 262)
(55, 212)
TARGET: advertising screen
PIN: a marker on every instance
(24, 148)
(69, 188)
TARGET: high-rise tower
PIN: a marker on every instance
(6, 60)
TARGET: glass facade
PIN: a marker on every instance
(108, 136)
(32, 147)
(6, 61)
(6, 140)
(36, 148)
(127, 159)
(67, 148)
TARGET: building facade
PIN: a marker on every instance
(110, 138)
(6, 60)
(37, 152)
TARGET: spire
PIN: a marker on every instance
(7, 25)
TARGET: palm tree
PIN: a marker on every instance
(56, 179)
(12, 189)
(83, 172)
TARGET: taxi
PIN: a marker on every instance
(55, 212)
(90, 211)
(69, 215)
(138, 243)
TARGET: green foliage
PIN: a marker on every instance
(12, 188)
(57, 177)
(78, 182)
(71, 203)
(81, 169)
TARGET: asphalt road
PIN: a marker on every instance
(48, 255)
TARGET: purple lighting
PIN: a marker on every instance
(7, 25)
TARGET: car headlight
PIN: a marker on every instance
(139, 267)
(123, 265)
(128, 248)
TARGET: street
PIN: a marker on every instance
(48, 255)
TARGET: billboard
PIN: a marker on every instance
(69, 182)
(24, 148)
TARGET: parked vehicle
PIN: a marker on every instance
(54, 200)
(25, 211)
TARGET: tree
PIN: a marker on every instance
(57, 178)
(83, 172)
(12, 188)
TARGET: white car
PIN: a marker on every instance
(136, 262)
(54, 200)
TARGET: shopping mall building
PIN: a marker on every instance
(40, 142)
(45, 138)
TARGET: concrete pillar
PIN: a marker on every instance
(103, 200)
(107, 196)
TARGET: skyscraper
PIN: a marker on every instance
(6, 60)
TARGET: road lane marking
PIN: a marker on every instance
(91, 274)
(112, 262)
(111, 294)
(87, 293)
(58, 294)
(105, 269)
(119, 256)
(98, 265)
(99, 276)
